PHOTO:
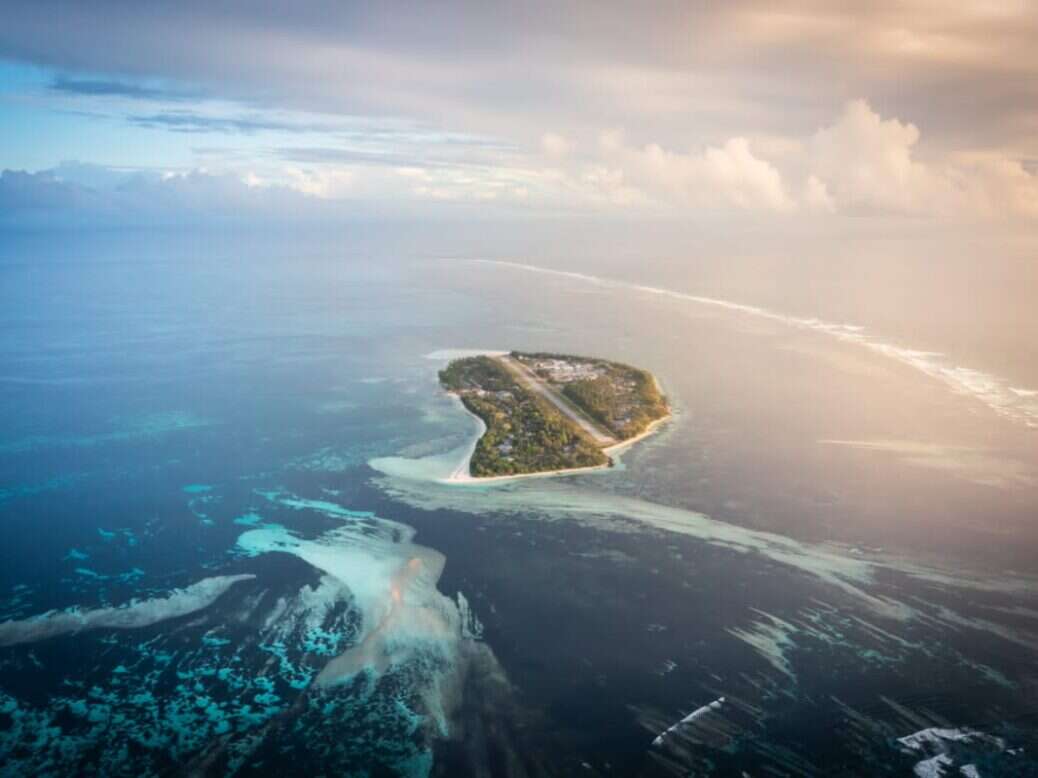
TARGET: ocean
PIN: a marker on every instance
(226, 548)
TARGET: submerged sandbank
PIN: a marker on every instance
(133, 615)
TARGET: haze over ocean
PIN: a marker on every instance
(242, 529)
(818, 524)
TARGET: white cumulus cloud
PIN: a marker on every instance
(728, 175)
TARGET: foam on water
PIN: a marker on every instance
(1013, 403)
(390, 582)
(695, 715)
(837, 566)
(143, 613)
(772, 638)
(947, 748)
(559, 500)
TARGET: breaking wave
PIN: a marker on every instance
(1016, 404)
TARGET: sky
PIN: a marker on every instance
(801, 112)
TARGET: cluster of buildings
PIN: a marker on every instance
(562, 371)
(503, 395)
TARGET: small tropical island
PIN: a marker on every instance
(552, 413)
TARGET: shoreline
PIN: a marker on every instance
(462, 473)
(653, 425)
(462, 477)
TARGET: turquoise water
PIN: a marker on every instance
(225, 546)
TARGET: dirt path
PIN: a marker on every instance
(533, 383)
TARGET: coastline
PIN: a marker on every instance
(462, 477)
(653, 426)
(461, 472)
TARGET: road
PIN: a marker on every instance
(526, 377)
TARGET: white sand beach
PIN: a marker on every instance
(453, 467)
(461, 475)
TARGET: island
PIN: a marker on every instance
(552, 413)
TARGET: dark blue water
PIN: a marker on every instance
(224, 549)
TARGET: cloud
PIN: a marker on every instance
(718, 176)
(861, 163)
(610, 185)
(704, 71)
(727, 105)
(321, 155)
(555, 145)
(998, 186)
(95, 196)
(746, 180)
(190, 121)
(88, 87)
(89, 176)
(865, 163)
(43, 199)
(22, 192)
(816, 195)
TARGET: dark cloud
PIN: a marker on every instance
(190, 121)
(675, 72)
(105, 88)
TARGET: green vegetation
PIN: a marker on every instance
(621, 399)
(625, 404)
(475, 373)
(524, 433)
(527, 434)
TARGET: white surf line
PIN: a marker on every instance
(698, 712)
(1010, 402)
